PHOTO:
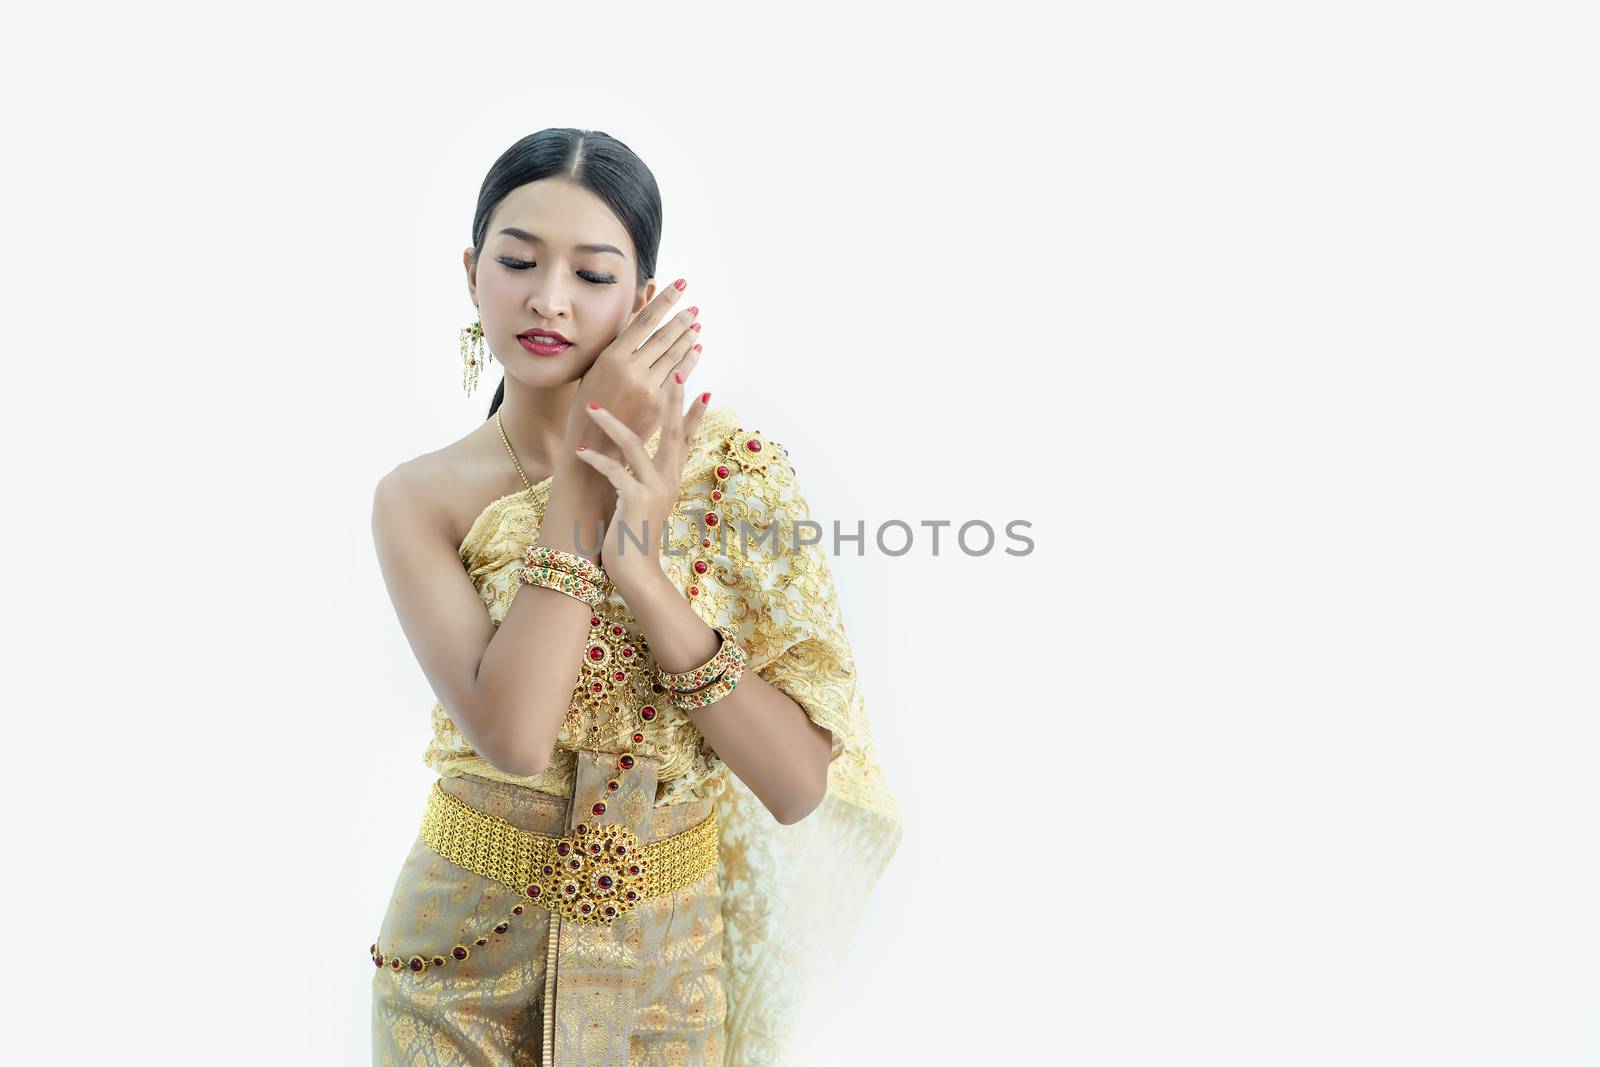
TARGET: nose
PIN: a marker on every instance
(547, 296)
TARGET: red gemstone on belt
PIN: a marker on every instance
(722, 472)
(459, 952)
(600, 808)
(625, 761)
(753, 445)
(638, 738)
(711, 518)
(647, 712)
(699, 566)
(597, 653)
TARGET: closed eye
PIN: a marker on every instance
(588, 276)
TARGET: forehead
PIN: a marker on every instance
(562, 214)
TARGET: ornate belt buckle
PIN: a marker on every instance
(593, 875)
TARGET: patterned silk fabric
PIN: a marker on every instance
(788, 896)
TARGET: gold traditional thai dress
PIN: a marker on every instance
(490, 953)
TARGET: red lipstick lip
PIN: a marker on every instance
(542, 348)
(547, 333)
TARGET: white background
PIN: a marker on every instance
(1277, 322)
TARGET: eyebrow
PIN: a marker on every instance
(535, 239)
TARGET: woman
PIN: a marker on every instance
(659, 808)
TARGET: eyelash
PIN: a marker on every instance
(588, 276)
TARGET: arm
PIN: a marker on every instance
(758, 730)
(507, 689)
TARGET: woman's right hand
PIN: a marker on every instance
(629, 378)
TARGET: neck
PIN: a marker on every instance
(535, 421)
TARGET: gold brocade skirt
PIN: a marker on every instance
(485, 976)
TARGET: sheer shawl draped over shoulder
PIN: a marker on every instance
(740, 554)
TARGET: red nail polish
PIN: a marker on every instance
(593, 406)
(705, 398)
(695, 327)
(697, 348)
(677, 376)
(694, 311)
(679, 284)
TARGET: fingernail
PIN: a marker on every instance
(705, 398)
(593, 406)
(695, 327)
(677, 376)
(679, 284)
(583, 448)
(694, 311)
(697, 348)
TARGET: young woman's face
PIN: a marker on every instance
(554, 258)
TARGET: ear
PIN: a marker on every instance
(472, 275)
(644, 296)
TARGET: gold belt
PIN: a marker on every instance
(592, 875)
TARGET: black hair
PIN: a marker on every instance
(598, 162)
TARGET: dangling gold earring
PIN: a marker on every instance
(474, 360)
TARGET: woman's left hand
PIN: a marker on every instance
(645, 494)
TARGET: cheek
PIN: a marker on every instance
(495, 288)
(608, 310)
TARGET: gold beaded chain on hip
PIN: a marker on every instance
(593, 875)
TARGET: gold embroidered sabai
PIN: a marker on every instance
(736, 920)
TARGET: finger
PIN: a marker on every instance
(691, 360)
(631, 444)
(697, 411)
(661, 370)
(652, 313)
(683, 324)
(671, 450)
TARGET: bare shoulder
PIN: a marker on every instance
(444, 490)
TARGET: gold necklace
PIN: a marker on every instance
(513, 451)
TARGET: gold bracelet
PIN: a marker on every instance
(562, 582)
(567, 562)
(728, 654)
(712, 693)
